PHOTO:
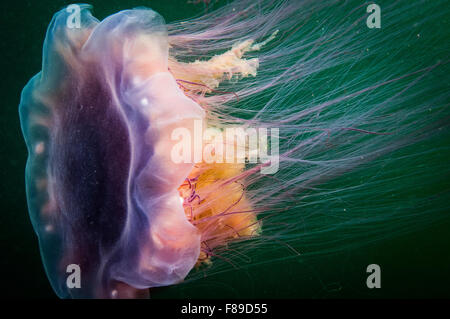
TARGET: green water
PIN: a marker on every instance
(416, 264)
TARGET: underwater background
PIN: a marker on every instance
(414, 263)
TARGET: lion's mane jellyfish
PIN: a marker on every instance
(105, 194)
(103, 191)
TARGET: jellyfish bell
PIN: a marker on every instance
(102, 190)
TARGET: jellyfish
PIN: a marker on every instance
(110, 120)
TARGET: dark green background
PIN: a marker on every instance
(413, 265)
